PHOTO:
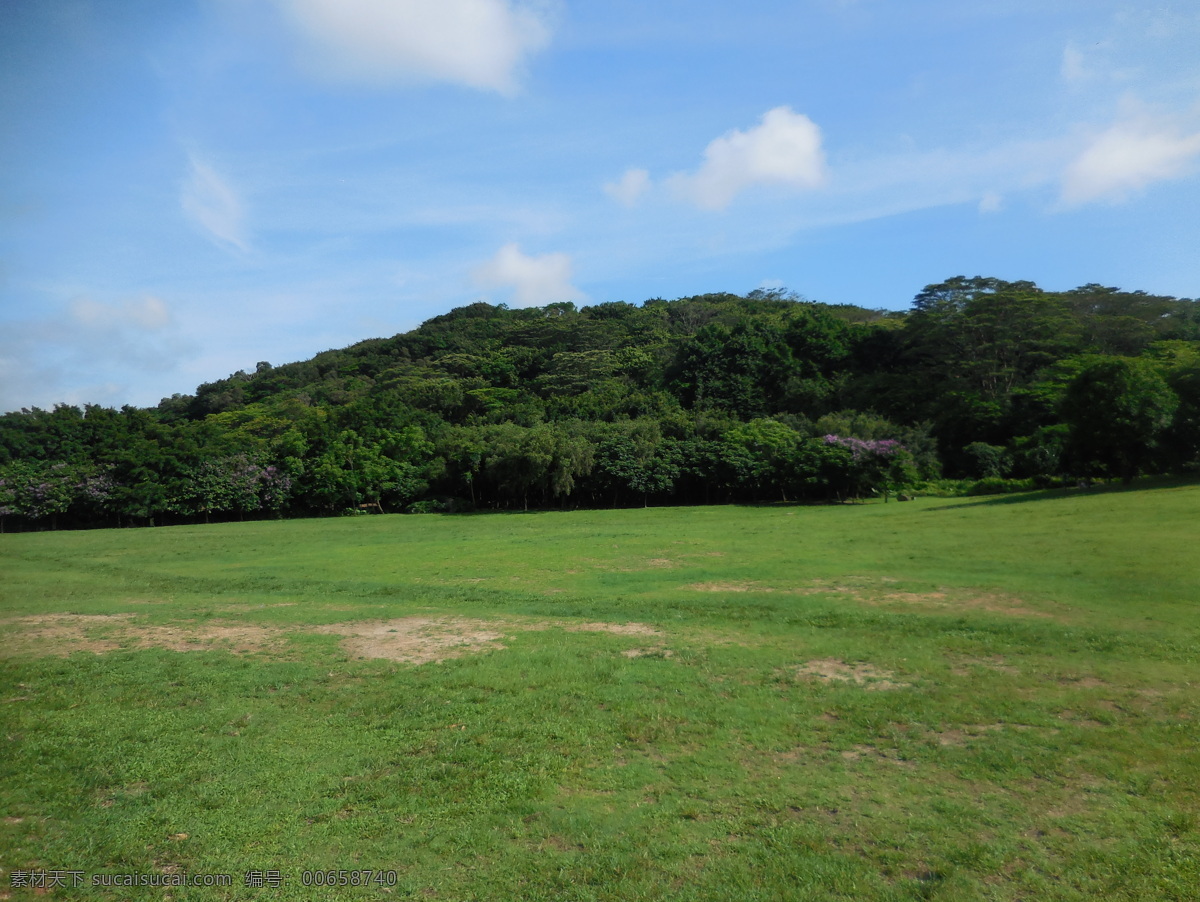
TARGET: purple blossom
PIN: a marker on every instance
(860, 448)
(96, 488)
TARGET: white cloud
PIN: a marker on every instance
(991, 202)
(629, 189)
(1073, 69)
(478, 43)
(149, 314)
(209, 201)
(88, 352)
(785, 149)
(535, 280)
(1127, 158)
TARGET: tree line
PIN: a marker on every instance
(707, 399)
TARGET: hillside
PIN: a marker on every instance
(702, 399)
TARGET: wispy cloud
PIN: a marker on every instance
(89, 351)
(478, 43)
(991, 202)
(535, 281)
(211, 203)
(784, 149)
(629, 188)
(1127, 158)
(1073, 69)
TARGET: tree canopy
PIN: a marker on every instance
(703, 399)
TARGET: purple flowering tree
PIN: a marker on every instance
(8, 499)
(237, 483)
(44, 490)
(877, 466)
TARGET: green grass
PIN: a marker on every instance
(1024, 724)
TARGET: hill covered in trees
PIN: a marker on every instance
(704, 399)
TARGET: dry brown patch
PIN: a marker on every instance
(247, 606)
(790, 756)
(957, 736)
(417, 640)
(1079, 720)
(879, 591)
(61, 634)
(859, 752)
(560, 844)
(620, 629)
(236, 637)
(833, 670)
(654, 652)
(660, 562)
(992, 602)
(915, 597)
(64, 634)
(997, 663)
(1086, 682)
(730, 587)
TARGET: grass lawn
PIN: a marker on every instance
(944, 699)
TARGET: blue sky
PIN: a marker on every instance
(188, 188)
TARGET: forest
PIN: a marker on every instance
(982, 386)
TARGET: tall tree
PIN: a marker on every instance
(1116, 410)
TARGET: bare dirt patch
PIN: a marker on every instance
(1087, 682)
(655, 652)
(417, 640)
(958, 736)
(879, 591)
(63, 634)
(947, 599)
(873, 752)
(996, 663)
(833, 670)
(236, 637)
(619, 629)
(729, 587)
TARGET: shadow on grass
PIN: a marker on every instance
(1148, 484)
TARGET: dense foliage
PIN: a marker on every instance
(698, 400)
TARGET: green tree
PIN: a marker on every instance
(1116, 409)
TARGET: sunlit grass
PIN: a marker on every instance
(979, 700)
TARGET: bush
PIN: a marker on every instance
(432, 506)
(942, 488)
(996, 485)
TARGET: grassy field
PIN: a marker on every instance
(945, 699)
